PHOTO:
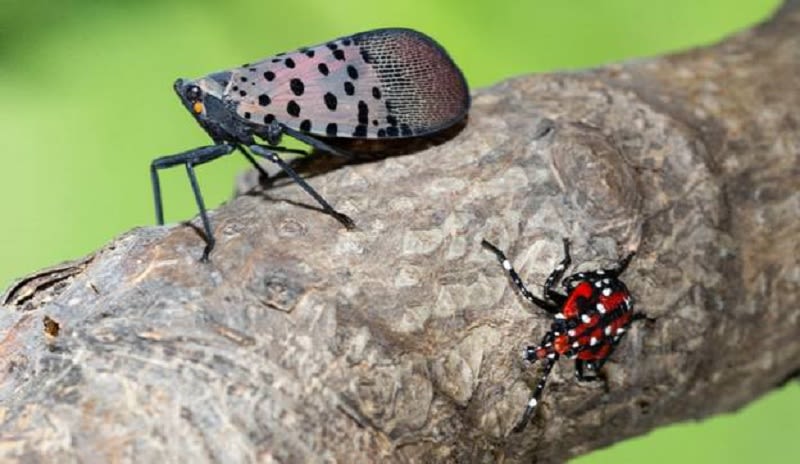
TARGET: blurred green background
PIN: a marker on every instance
(86, 102)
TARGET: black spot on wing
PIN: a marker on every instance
(363, 112)
(297, 86)
(293, 108)
(331, 130)
(331, 101)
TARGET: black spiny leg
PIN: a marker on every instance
(537, 393)
(621, 266)
(556, 275)
(547, 306)
(210, 240)
(270, 155)
(189, 158)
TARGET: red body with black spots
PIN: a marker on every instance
(588, 321)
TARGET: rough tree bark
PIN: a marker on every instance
(400, 341)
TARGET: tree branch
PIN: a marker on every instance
(400, 341)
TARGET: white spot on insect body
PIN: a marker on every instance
(586, 319)
(601, 272)
(560, 316)
(600, 308)
(576, 344)
(571, 333)
(606, 291)
(598, 284)
(607, 331)
(592, 341)
(551, 356)
(620, 330)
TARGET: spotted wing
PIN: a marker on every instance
(381, 83)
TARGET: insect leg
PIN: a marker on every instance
(197, 156)
(263, 173)
(314, 142)
(556, 275)
(189, 158)
(272, 156)
(537, 393)
(210, 240)
(621, 266)
(547, 306)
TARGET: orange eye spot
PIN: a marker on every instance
(197, 108)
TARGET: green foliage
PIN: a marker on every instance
(87, 102)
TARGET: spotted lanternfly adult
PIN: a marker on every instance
(588, 322)
(385, 83)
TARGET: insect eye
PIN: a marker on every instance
(193, 93)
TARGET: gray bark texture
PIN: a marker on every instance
(401, 341)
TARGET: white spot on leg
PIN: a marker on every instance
(601, 272)
(620, 330)
(506, 265)
(576, 344)
(532, 403)
(560, 316)
(551, 356)
(560, 267)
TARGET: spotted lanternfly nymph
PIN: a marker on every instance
(588, 322)
(385, 83)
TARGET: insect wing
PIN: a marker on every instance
(381, 83)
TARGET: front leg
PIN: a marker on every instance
(546, 305)
(190, 159)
